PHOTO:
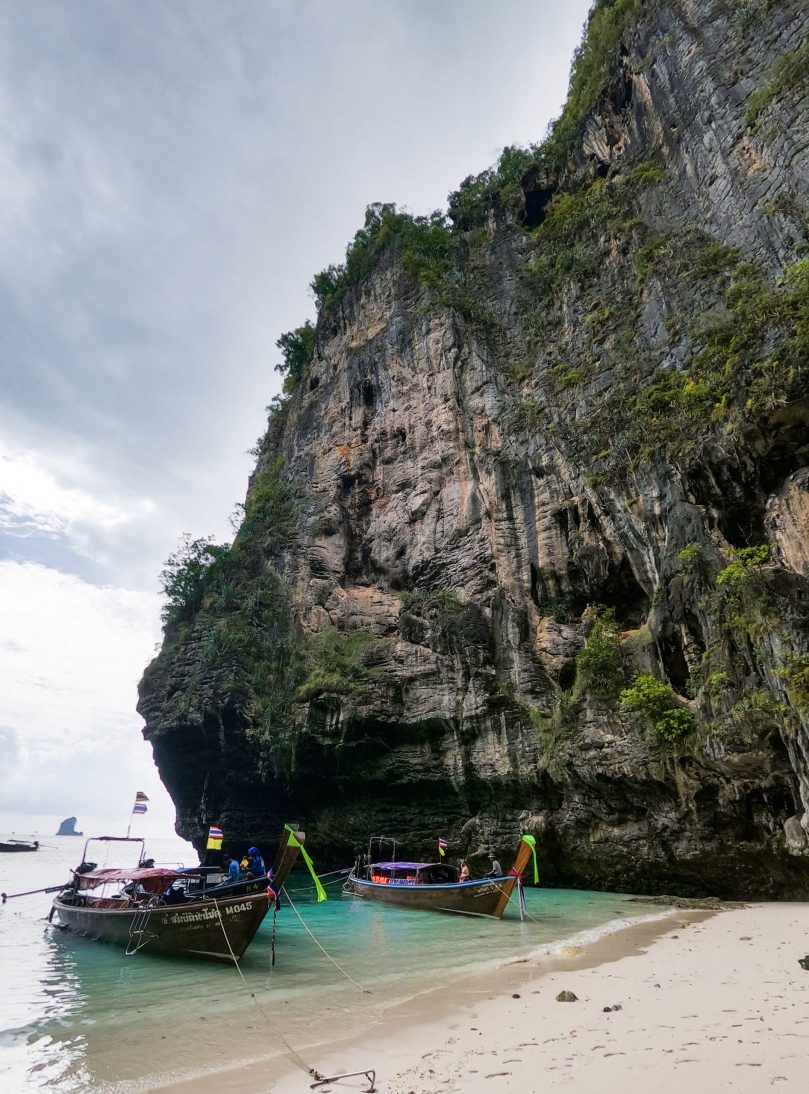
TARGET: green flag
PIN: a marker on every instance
(532, 843)
(295, 842)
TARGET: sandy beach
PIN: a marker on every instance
(698, 1000)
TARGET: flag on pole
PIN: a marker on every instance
(215, 837)
(295, 842)
(442, 847)
(140, 803)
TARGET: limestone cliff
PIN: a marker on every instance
(526, 544)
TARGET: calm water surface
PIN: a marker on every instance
(77, 1015)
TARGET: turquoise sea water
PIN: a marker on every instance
(76, 1015)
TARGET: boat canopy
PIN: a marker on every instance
(403, 865)
(94, 878)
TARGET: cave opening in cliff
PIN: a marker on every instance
(737, 508)
(675, 665)
(537, 200)
(620, 590)
(567, 675)
(788, 453)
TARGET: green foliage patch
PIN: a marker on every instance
(576, 236)
(425, 244)
(272, 510)
(599, 664)
(744, 567)
(655, 701)
(334, 663)
(795, 675)
(297, 349)
(690, 559)
(743, 587)
(188, 573)
(788, 74)
(750, 360)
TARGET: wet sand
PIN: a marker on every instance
(698, 999)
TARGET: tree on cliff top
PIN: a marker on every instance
(187, 574)
(297, 348)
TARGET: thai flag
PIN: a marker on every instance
(215, 837)
(442, 846)
(139, 807)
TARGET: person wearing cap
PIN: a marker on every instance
(255, 863)
(495, 867)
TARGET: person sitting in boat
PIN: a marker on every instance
(232, 871)
(464, 872)
(175, 895)
(255, 863)
(495, 869)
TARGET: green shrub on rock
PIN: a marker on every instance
(187, 575)
(657, 703)
(689, 559)
(297, 348)
(674, 724)
(745, 565)
(334, 663)
(599, 665)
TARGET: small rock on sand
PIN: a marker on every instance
(567, 997)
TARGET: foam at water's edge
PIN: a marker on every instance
(594, 934)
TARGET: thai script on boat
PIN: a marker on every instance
(485, 890)
(190, 917)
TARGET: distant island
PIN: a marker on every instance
(68, 828)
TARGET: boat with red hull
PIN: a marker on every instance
(217, 922)
(435, 887)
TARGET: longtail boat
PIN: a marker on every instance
(434, 886)
(13, 845)
(133, 907)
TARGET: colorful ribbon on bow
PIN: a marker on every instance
(295, 842)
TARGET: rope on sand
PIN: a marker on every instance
(299, 1060)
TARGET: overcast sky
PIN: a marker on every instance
(173, 174)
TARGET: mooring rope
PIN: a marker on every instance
(337, 881)
(336, 964)
(503, 891)
(293, 1052)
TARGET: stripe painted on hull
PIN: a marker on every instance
(490, 895)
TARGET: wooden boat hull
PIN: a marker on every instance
(195, 929)
(488, 897)
(12, 848)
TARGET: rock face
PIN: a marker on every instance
(68, 828)
(570, 455)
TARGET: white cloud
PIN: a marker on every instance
(32, 497)
(72, 654)
(37, 501)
